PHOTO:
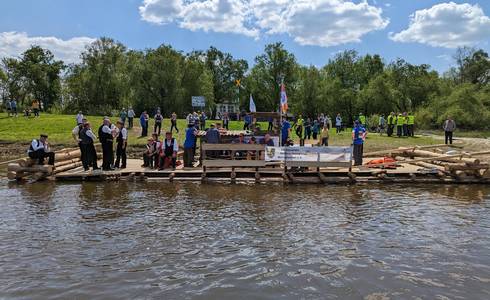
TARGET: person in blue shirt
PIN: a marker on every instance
(144, 123)
(248, 122)
(189, 144)
(358, 137)
(285, 130)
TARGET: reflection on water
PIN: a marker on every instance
(174, 241)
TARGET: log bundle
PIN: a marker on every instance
(456, 165)
(65, 160)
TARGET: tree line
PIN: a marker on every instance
(110, 77)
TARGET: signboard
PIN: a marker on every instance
(321, 154)
(198, 101)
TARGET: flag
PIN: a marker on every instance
(252, 104)
(284, 99)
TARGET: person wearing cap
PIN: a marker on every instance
(122, 143)
(150, 154)
(168, 151)
(39, 150)
(106, 138)
(358, 137)
(86, 141)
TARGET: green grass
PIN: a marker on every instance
(58, 127)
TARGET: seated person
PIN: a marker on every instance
(168, 151)
(267, 140)
(240, 140)
(39, 150)
(252, 154)
(150, 155)
(212, 137)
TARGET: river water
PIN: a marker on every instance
(217, 241)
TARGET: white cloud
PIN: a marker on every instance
(448, 25)
(309, 22)
(208, 15)
(12, 44)
(331, 22)
(161, 12)
(217, 15)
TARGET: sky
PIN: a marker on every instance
(419, 31)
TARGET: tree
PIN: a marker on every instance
(100, 83)
(157, 80)
(225, 71)
(197, 81)
(34, 76)
(271, 68)
(308, 94)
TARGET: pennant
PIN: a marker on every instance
(252, 104)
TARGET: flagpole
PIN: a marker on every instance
(280, 111)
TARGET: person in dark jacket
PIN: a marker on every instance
(106, 138)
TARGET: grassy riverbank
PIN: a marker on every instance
(19, 131)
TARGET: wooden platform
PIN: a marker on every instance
(403, 174)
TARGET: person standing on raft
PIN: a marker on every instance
(358, 137)
(87, 139)
(39, 150)
(106, 139)
(122, 143)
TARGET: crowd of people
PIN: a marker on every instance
(34, 109)
(162, 153)
(107, 133)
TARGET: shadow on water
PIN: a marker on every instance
(183, 240)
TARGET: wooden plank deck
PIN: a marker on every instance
(403, 174)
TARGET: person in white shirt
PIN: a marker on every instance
(86, 141)
(75, 133)
(338, 124)
(79, 118)
(39, 150)
(106, 138)
(122, 143)
(131, 116)
(168, 151)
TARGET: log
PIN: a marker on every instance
(455, 158)
(67, 167)
(67, 155)
(429, 166)
(39, 176)
(11, 175)
(426, 159)
(466, 167)
(33, 169)
(27, 162)
(402, 149)
(66, 162)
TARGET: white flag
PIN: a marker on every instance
(252, 104)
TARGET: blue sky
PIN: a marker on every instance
(314, 30)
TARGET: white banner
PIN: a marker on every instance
(321, 154)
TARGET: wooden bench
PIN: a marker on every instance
(232, 162)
